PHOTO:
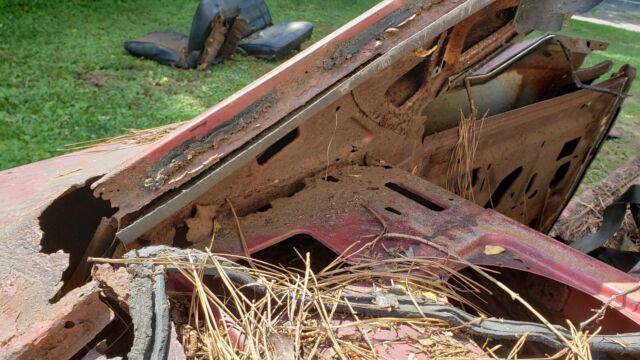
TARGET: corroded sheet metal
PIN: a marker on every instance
(33, 326)
(349, 211)
(376, 115)
(435, 52)
(230, 124)
(528, 160)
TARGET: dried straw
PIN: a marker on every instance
(285, 309)
(460, 171)
(131, 136)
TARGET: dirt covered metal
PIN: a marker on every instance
(427, 120)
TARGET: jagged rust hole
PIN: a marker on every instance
(568, 148)
(502, 188)
(290, 253)
(68, 224)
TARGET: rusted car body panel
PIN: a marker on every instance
(36, 328)
(310, 149)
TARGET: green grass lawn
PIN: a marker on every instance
(65, 78)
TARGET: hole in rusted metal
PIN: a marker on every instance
(532, 180)
(392, 210)
(407, 85)
(180, 238)
(118, 335)
(264, 208)
(278, 146)
(290, 253)
(297, 187)
(568, 148)
(560, 174)
(68, 224)
(413, 196)
(265, 204)
(502, 188)
(488, 26)
(474, 176)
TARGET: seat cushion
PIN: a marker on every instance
(205, 13)
(276, 41)
(256, 13)
(165, 47)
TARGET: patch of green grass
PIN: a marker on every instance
(65, 77)
(624, 48)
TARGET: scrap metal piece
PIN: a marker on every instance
(294, 88)
(65, 328)
(505, 60)
(612, 219)
(338, 214)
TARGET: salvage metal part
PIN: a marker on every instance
(185, 196)
(364, 122)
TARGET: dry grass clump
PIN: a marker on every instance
(292, 313)
(224, 310)
(460, 171)
(132, 136)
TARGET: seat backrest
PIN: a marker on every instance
(256, 13)
(205, 13)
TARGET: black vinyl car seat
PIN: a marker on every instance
(248, 19)
(172, 48)
(265, 40)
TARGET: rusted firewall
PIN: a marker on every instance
(305, 78)
(367, 126)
